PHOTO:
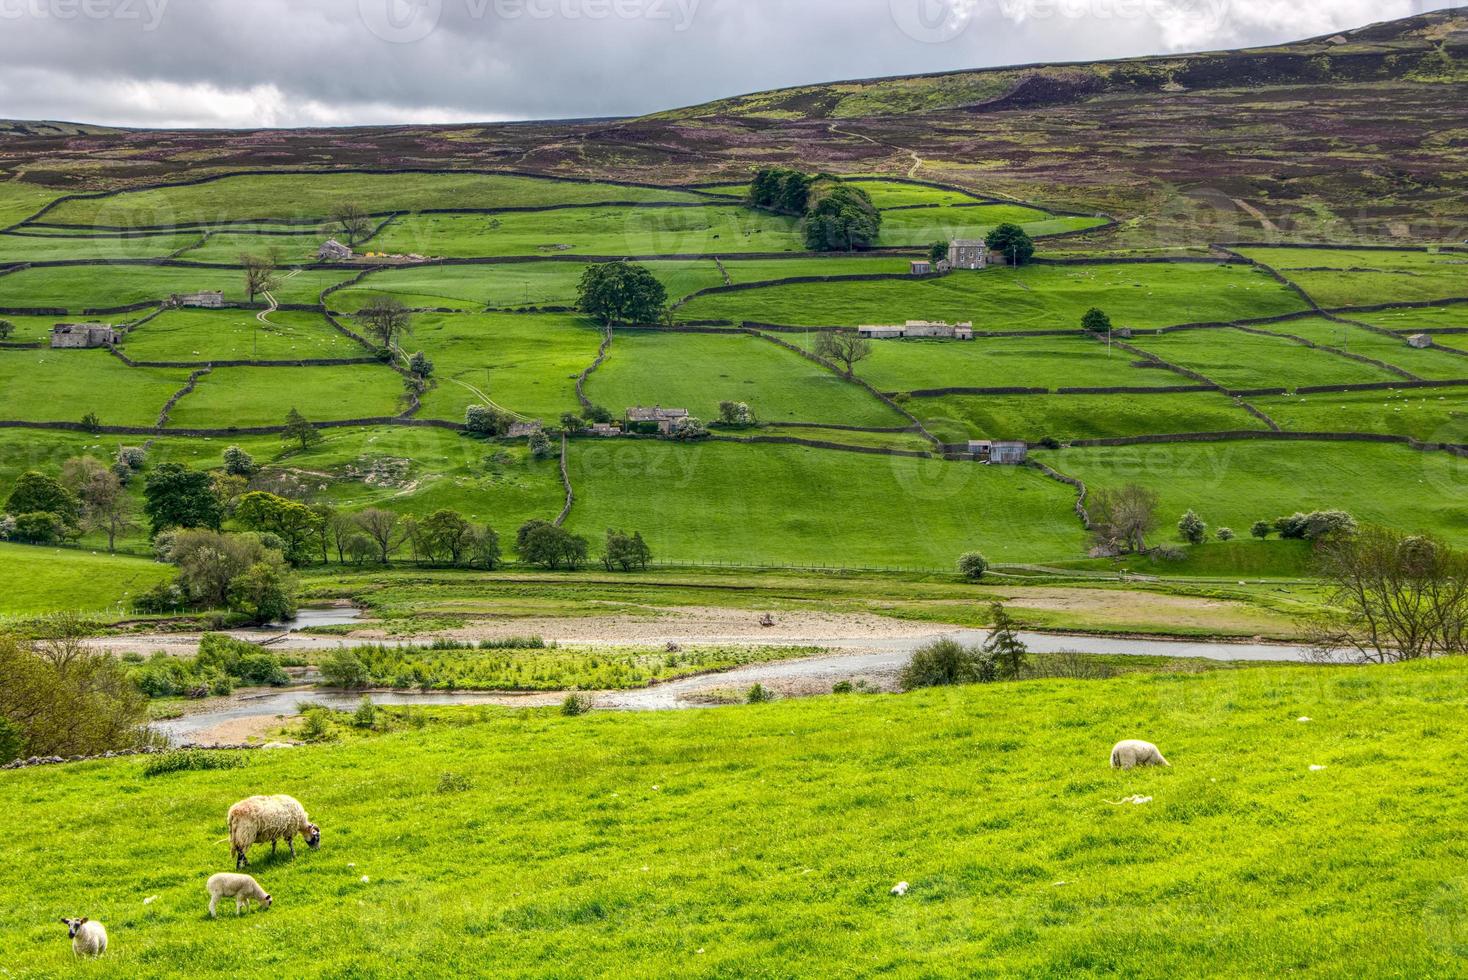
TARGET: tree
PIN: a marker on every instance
(1224, 534)
(1096, 321)
(1395, 597)
(237, 462)
(938, 252)
(175, 496)
(1121, 519)
(625, 551)
(40, 527)
(37, 493)
(540, 446)
(350, 221)
(486, 420)
(420, 366)
(209, 562)
(1004, 649)
(944, 662)
(972, 566)
(484, 549)
(689, 429)
(621, 292)
(1191, 528)
(66, 699)
(571, 422)
(260, 274)
(1261, 529)
(106, 507)
(840, 216)
(386, 320)
(1316, 526)
(297, 429)
(735, 413)
(295, 524)
(780, 189)
(1011, 241)
(542, 543)
(847, 348)
(381, 527)
(263, 593)
(447, 534)
(343, 669)
(7, 329)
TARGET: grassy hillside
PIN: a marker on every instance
(764, 840)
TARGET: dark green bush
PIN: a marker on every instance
(192, 760)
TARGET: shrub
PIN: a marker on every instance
(1191, 528)
(39, 527)
(315, 725)
(1224, 534)
(843, 687)
(1049, 442)
(972, 566)
(1320, 525)
(237, 462)
(758, 694)
(165, 597)
(944, 662)
(486, 420)
(689, 429)
(452, 782)
(192, 760)
(1261, 529)
(735, 413)
(343, 669)
(576, 704)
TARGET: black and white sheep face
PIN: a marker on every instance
(313, 836)
(72, 925)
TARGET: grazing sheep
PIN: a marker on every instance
(242, 888)
(1134, 752)
(269, 818)
(88, 938)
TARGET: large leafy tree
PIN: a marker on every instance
(840, 217)
(298, 429)
(296, 524)
(175, 496)
(622, 292)
(1012, 242)
(37, 493)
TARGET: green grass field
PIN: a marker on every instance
(34, 248)
(995, 803)
(248, 396)
(896, 194)
(313, 196)
(1030, 418)
(593, 231)
(1239, 360)
(761, 270)
(1411, 318)
(524, 363)
(1435, 365)
(1429, 414)
(35, 580)
(472, 288)
(697, 371)
(105, 286)
(228, 246)
(987, 362)
(1234, 484)
(922, 226)
(1028, 298)
(64, 385)
(230, 335)
(19, 200)
(1361, 277)
(790, 504)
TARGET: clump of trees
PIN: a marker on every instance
(221, 664)
(246, 573)
(41, 510)
(550, 546)
(1395, 597)
(736, 414)
(1012, 242)
(625, 551)
(834, 214)
(621, 292)
(487, 420)
(846, 347)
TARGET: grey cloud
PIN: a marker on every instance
(315, 62)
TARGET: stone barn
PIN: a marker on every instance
(66, 335)
(333, 251)
(638, 419)
(1419, 340)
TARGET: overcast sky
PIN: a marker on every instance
(252, 63)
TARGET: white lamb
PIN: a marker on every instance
(88, 938)
(1134, 752)
(269, 818)
(242, 888)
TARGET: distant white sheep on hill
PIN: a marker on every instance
(1132, 752)
(269, 818)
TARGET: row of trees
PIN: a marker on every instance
(835, 215)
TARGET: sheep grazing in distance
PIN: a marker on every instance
(1134, 752)
(269, 818)
(88, 938)
(242, 888)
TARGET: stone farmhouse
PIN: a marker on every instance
(967, 253)
(663, 418)
(917, 329)
(332, 250)
(1000, 453)
(210, 299)
(84, 335)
